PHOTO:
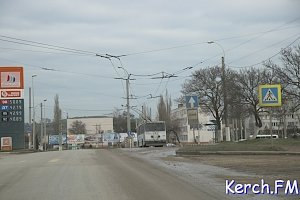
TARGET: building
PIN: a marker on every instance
(290, 120)
(93, 124)
(200, 133)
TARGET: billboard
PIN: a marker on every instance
(11, 78)
(75, 139)
(54, 139)
(12, 105)
(6, 143)
(12, 121)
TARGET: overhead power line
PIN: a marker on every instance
(48, 46)
(261, 62)
(92, 53)
(245, 56)
(280, 27)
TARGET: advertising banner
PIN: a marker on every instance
(11, 78)
(11, 93)
(93, 138)
(54, 139)
(75, 139)
(6, 143)
(12, 105)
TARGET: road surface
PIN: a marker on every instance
(91, 174)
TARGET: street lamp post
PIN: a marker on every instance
(33, 114)
(45, 126)
(227, 129)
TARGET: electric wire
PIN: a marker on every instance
(274, 44)
(261, 62)
(47, 46)
(85, 52)
(229, 38)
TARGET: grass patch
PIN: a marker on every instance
(249, 145)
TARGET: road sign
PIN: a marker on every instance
(11, 78)
(12, 105)
(270, 95)
(191, 101)
(192, 116)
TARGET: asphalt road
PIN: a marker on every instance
(91, 174)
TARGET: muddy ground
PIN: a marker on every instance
(269, 168)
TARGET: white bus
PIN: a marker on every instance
(152, 134)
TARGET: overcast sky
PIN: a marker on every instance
(157, 35)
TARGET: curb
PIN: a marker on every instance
(196, 153)
(16, 152)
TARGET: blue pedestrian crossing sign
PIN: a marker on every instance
(270, 95)
(191, 101)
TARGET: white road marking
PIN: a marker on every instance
(53, 160)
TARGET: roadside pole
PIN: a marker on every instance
(42, 130)
(271, 130)
(192, 104)
(199, 141)
(270, 96)
(30, 136)
(60, 138)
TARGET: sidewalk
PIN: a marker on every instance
(18, 151)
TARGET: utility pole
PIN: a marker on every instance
(128, 106)
(60, 138)
(42, 127)
(33, 110)
(227, 128)
(33, 130)
(31, 137)
(127, 98)
(45, 126)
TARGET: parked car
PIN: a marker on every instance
(170, 145)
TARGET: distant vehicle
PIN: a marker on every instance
(295, 135)
(152, 134)
(267, 136)
(170, 145)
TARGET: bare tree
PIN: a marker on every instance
(289, 74)
(164, 111)
(57, 115)
(120, 121)
(205, 83)
(248, 81)
(161, 109)
(146, 114)
(77, 127)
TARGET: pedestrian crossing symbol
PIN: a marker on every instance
(270, 95)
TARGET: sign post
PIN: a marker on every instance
(12, 106)
(270, 96)
(192, 104)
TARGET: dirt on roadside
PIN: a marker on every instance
(267, 167)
